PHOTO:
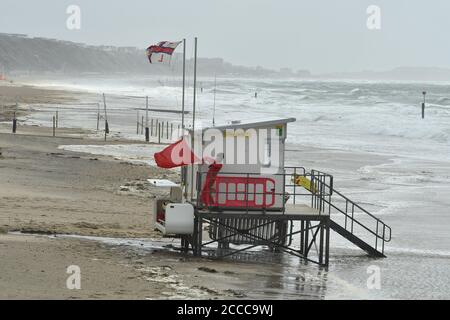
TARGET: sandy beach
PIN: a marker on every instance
(47, 192)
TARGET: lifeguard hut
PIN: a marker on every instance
(245, 197)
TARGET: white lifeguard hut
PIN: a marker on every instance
(244, 195)
(251, 155)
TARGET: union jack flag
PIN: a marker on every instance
(162, 52)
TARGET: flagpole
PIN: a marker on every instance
(147, 129)
(214, 110)
(193, 116)
(184, 83)
(183, 105)
(195, 85)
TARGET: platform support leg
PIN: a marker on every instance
(305, 248)
(302, 236)
(327, 242)
(185, 244)
(222, 232)
(195, 237)
(321, 226)
(200, 237)
(198, 231)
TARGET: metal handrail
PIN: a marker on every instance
(386, 230)
(321, 193)
(352, 217)
(316, 195)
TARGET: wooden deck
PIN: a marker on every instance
(303, 210)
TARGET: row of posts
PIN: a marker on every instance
(156, 128)
(55, 120)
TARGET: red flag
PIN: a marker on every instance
(176, 155)
(209, 187)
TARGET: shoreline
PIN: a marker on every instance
(48, 191)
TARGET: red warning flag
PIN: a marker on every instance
(176, 155)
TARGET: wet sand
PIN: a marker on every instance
(46, 192)
(35, 267)
(12, 94)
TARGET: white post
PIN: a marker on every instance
(184, 83)
(183, 103)
(214, 110)
(146, 112)
(195, 85)
(193, 116)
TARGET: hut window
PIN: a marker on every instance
(267, 153)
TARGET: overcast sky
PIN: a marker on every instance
(319, 35)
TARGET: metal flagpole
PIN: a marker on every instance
(193, 115)
(214, 110)
(183, 104)
(184, 83)
(195, 85)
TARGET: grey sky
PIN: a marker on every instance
(319, 35)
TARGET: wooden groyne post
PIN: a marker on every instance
(106, 118)
(54, 126)
(159, 132)
(423, 104)
(137, 123)
(147, 130)
(98, 116)
(14, 125)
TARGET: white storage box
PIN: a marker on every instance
(179, 219)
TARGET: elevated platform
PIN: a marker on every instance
(238, 218)
(239, 230)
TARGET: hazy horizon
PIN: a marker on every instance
(321, 36)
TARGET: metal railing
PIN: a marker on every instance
(380, 230)
(289, 192)
(319, 185)
(297, 182)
